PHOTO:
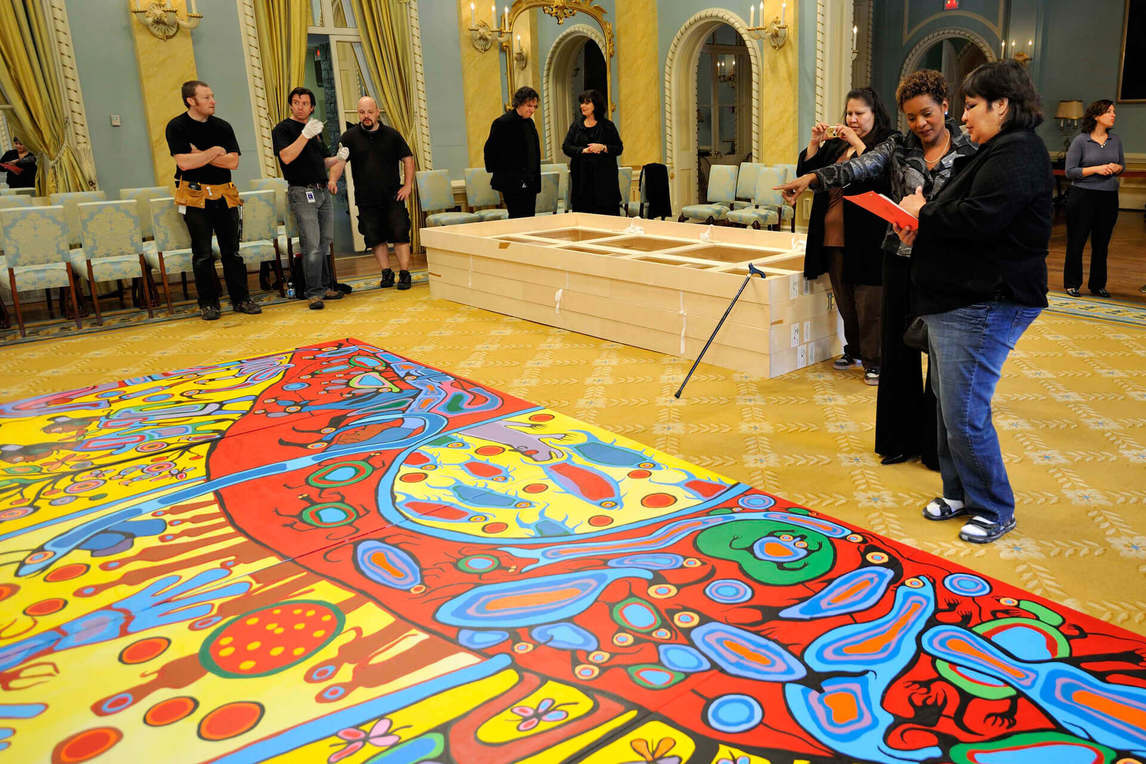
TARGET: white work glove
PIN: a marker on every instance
(311, 129)
(343, 153)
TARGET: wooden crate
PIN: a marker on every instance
(663, 287)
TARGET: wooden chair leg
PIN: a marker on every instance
(166, 288)
(119, 292)
(95, 297)
(16, 301)
(72, 291)
(145, 276)
(279, 268)
(48, 299)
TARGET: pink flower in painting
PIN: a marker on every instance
(379, 736)
(546, 711)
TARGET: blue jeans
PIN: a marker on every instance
(967, 349)
(315, 222)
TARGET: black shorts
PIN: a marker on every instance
(387, 223)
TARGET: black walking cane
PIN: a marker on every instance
(752, 269)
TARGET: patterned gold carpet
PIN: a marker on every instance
(1071, 411)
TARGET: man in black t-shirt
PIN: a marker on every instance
(20, 164)
(374, 150)
(205, 152)
(304, 161)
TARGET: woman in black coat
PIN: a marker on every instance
(844, 240)
(979, 270)
(592, 145)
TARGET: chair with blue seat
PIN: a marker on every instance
(779, 175)
(142, 197)
(721, 194)
(761, 214)
(436, 199)
(745, 184)
(564, 201)
(768, 207)
(480, 194)
(548, 197)
(625, 181)
(287, 236)
(259, 240)
(70, 200)
(35, 241)
(170, 251)
(112, 248)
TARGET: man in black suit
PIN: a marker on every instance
(513, 154)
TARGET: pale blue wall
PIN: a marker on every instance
(445, 101)
(109, 80)
(219, 62)
(1076, 52)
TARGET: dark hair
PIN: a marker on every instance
(189, 88)
(1093, 112)
(871, 98)
(924, 82)
(524, 94)
(1006, 79)
(594, 97)
(301, 92)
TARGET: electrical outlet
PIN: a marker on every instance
(115, 120)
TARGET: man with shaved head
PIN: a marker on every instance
(374, 151)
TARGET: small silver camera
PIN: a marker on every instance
(831, 132)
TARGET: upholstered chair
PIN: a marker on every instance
(480, 194)
(112, 248)
(170, 252)
(721, 194)
(142, 197)
(35, 241)
(69, 200)
(436, 197)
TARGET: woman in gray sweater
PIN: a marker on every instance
(1093, 164)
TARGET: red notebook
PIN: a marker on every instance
(878, 204)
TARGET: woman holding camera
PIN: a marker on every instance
(979, 268)
(844, 240)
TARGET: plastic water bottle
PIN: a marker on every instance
(290, 289)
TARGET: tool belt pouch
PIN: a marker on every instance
(229, 192)
(186, 196)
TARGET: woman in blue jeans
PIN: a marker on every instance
(979, 271)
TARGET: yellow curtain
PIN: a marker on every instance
(385, 33)
(282, 44)
(29, 81)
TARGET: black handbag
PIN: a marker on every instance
(916, 335)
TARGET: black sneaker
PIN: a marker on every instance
(209, 312)
(404, 280)
(1100, 292)
(846, 361)
(332, 294)
(316, 303)
(249, 307)
(1073, 292)
(387, 279)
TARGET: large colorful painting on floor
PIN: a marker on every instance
(338, 554)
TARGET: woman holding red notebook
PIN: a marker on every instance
(905, 420)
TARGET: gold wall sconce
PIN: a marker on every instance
(1024, 57)
(482, 35)
(162, 19)
(775, 31)
(520, 57)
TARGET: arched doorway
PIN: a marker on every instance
(723, 120)
(575, 63)
(954, 52)
(681, 63)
